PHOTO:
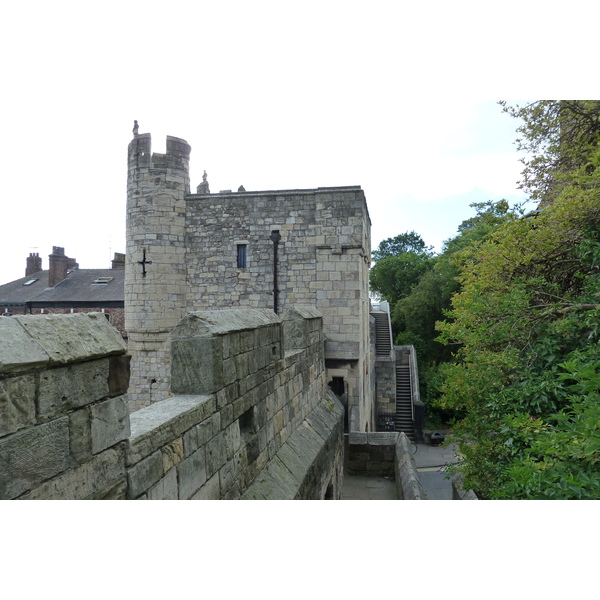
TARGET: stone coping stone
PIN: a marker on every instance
(18, 350)
(73, 338)
(304, 312)
(220, 322)
(158, 424)
(408, 481)
(373, 438)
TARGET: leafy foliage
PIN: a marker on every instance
(418, 312)
(525, 325)
(506, 320)
(410, 241)
(394, 276)
(558, 137)
(401, 261)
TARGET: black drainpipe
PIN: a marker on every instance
(275, 237)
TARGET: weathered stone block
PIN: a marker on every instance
(29, 457)
(216, 454)
(145, 474)
(172, 454)
(166, 488)
(209, 491)
(156, 425)
(112, 491)
(18, 350)
(197, 366)
(232, 439)
(229, 473)
(198, 347)
(200, 434)
(17, 403)
(382, 438)
(65, 388)
(72, 338)
(110, 423)
(80, 435)
(192, 474)
(100, 478)
(118, 374)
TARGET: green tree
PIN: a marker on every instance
(556, 136)
(401, 261)
(526, 328)
(409, 241)
(418, 312)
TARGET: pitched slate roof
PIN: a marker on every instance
(78, 288)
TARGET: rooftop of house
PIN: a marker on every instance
(81, 285)
(92, 287)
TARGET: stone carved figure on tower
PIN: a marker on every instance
(203, 187)
(135, 128)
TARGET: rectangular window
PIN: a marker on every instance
(102, 281)
(241, 256)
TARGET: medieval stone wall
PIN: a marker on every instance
(323, 255)
(63, 410)
(323, 261)
(385, 454)
(191, 252)
(251, 416)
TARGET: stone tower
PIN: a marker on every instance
(155, 271)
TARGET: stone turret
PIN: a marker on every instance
(155, 272)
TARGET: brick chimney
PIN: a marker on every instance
(59, 266)
(34, 264)
(118, 262)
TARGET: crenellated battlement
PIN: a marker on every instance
(176, 157)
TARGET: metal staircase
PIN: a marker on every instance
(404, 407)
(383, 334)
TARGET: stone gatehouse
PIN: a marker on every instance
(265, 250)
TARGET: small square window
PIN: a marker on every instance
(241, 256)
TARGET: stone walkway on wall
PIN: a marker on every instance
(369, 488)
(430, 461)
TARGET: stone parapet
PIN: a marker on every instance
(243, 408)
(408, 483)
(63, 413)
(459, 492)
(266, 425)
(385, 454)
(299, 463)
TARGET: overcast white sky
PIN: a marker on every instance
(272, 95)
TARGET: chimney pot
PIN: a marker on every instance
(59, 265)
(118, 262)
(34, 264)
